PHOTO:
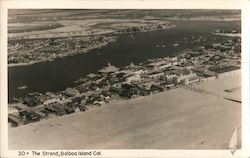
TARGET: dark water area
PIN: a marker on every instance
(61, 73)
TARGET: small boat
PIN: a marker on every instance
(176, 44)
(157, 45)
(132, 36)
(16, 99)
(22, 87)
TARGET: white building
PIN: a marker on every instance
(182, 60)
(191, 81)
(173, 59)
(156, 75)
(133, 78)
(183, 77)
(140, 71)
(51, 101)
(174, 63)
(163, 66)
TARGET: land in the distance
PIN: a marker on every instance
(37, 38)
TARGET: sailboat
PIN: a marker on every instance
(132, 36)
(233, 142)
(22, 87)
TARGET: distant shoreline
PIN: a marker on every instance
(52, 59)
(87, 49)
(229, 34)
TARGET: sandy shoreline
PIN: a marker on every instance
(178, 119)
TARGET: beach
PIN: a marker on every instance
(181, 118)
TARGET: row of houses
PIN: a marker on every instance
(157, 75)
(23, 117)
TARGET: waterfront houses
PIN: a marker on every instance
(111, 83)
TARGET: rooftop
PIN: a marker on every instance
(108, 69)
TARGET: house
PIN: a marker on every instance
(51, 101)
(126, 93)
(14, 120)
(120, 74)
(64, 101)
(173, 59)
(116, 90)
(93, 86)
(136, 70)
(45, 112)
(191, 81)
(170, 76)
(91, 75)
(156, 75)
(109, 69)
(70, 92)
(144, 92)
(29, 116)
(59, 109)
(157, 63)
(77, 100)
(103, 83)
(174, 63)
(134, 89)
(99, 103)
(89, 101)
(32, 101)
(156, 88)
(95, 97)
(106, 93)
(184, 75)
(189, 67)
(54, 110)
(42, 114)
(133, 78)
(140, 71)
(127, 86)
(12, 109)
(69, 109)
(83, 88)
(209, 73)
(167, 85)
(82, 107)
(182, 59)
(163, 66)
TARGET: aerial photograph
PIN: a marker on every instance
(124, 79)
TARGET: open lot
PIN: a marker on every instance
(178, 119)
(229, 87)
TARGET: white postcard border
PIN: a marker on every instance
(129, 4)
